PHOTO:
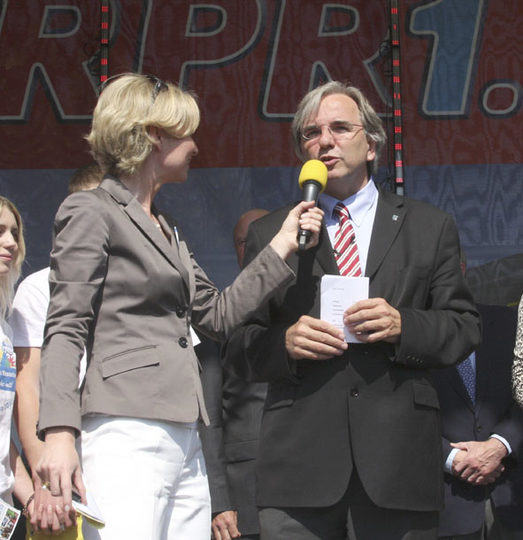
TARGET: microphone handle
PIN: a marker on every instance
(303, 238)
(311, 190)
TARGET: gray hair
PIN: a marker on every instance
(370, 120)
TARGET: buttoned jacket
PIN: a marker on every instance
(374, 408)
(129, 291)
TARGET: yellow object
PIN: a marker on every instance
(72, 533)
(314, 169)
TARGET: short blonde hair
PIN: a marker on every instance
(310, 104)
(7, 282)
(127, 106)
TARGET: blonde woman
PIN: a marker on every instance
(13, 476)
(125, 285)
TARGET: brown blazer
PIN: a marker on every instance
(122, 290)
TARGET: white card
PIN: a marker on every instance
(339, 293)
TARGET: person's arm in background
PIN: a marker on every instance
(28, 321)
(23, 488)
(26, 405)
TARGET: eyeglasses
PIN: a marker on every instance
(159, 85)
(338, 130)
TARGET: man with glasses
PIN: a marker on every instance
(350, 442)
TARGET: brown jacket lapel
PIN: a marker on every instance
(130, 205)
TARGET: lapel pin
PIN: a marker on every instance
(395, 217)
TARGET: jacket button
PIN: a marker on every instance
(180, 312)
(354, 392)
(183, 342)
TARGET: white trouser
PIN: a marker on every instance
(148, 479)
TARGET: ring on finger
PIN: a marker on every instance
(46, 485)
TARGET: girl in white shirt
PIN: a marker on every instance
(13, 475)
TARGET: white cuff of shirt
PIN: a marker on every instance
(504, 441)
(450, 459)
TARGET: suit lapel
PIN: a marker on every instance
(484, 361)
(130, 205)
(324, 253)
(459, 385)
(177, 249)
(482, 377)
(389, 218)
(186, 260)
(453, 380)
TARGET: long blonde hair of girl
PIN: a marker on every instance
(8, 281)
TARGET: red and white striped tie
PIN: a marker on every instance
(345, 247)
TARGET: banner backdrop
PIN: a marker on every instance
(250, 62)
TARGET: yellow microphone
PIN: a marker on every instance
(312, 181)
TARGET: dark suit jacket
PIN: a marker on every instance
(493, 412)
(373, 408)
(208, 353)
(242, 415)
(230, 441)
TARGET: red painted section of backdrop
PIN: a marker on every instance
(250, 61)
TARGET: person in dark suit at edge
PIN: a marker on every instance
(230, 442)
(482, 437)
(350, 439)
(242, 414)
